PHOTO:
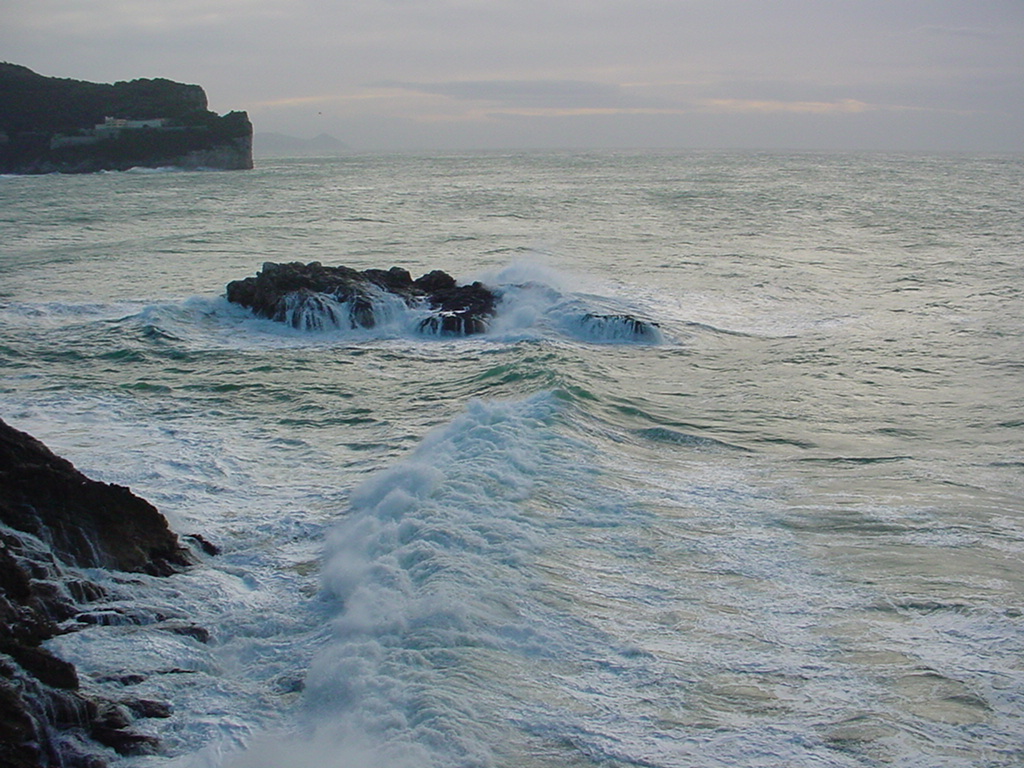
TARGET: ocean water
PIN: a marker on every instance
(786, 529)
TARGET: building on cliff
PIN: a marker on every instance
(110, 128)
(124, 123)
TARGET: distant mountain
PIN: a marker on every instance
(53, 124)
(281, 145)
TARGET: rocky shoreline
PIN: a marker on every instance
(55, 522)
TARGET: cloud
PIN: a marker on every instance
(367, 69)
(763, 106)
(974, 33)
(320, 99)
(562, 98)
(106, 18)
(484, 100)
(520, 93)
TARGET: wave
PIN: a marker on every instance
(490, 601)
(422, 581)
(142, 170)
(53, 313)
(447, 614)
(424, 570)
(674, 437)
(322, 312)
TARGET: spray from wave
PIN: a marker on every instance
(425, 581)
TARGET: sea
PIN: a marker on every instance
(784, 528)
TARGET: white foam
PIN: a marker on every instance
(381, 310)
(422, 577)
(48, 314)
(142, 170)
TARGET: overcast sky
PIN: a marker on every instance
(449, 74)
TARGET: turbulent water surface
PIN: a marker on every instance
(786, 529)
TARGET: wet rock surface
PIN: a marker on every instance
(313, 297)
(53, 521)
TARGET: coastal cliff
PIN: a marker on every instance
(50, 124)
(55, 525)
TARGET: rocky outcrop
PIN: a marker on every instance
(620, 326)
(84, 522)
(50, 124)
(312, 296)
(53, 521)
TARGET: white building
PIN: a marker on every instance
(120, 123)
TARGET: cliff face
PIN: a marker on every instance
(55, 521)
(50, 124)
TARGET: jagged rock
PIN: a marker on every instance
(131, 678)
(42, 665)
(186, 629)
(111, 714)
(124, 741)
(86, 523)
(54, 519)
(18, 745)
(146, 708)
(621, 325)
(312, 296)
(109, 617)
(203, 543)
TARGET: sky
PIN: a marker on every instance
(380, 75)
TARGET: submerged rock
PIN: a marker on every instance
(314, 297)
(620, 327)
(53, 520)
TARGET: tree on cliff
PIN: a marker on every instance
(33, 102)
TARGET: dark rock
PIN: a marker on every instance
(461, 310)
(622, 325)
(290, 683)
(42, 665)
(39, 725)
(205, 545)
(85, 591)
(185, 629)
(111, 714)
(53, 519)
(395, 280)
(435, 281)
(19, 747)
(127, 679)
(124, 741)
(110, 617)
(313, 297)
(146, 708)
(86, 523)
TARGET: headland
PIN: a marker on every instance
(60, 125)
